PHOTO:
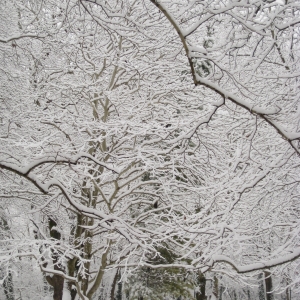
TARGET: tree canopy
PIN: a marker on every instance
(145, 137)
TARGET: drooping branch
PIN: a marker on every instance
(259, 265)
(265, 114)
(55, 158)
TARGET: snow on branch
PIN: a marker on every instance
(259, 265)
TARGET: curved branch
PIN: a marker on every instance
(107, 221)
(55, 158)
(263, 113)
(180, 33)
(259, 265)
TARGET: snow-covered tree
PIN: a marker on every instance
(128, 128)
(252, 51)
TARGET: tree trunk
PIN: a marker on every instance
(100, 274)
(119, 291)
(8, 281)
(215, 287)
(221, 292)
(113, 286)
(56, 281)
(268, 285)
(73, 293)
(72, 263)
(261, 289)
(287, 291)
(287, 294)
(201, 283)
(8, 287)
(248, 294)
(120, 285)
(234, 295)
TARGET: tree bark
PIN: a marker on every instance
(119, 291)
(221, 292)
(99, 276)
(261, 289)
(248, 294)
(8, 287)
(268, 285)
(8, 281)
(201, 282)
(234, 295)
(215, 287)
(113, 286)
(56, 281)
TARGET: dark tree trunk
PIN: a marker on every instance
(287, 293)
(73, 292)
(268, 285)
(56, 281)
(72, 289)
(8, 281)
(201, 283)
(261, 289)
(76, 231)
(113, 286)
(248, 294)
(8, 287)
(120, 285)
(234, 295)
(221, 292)
(216, 287)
